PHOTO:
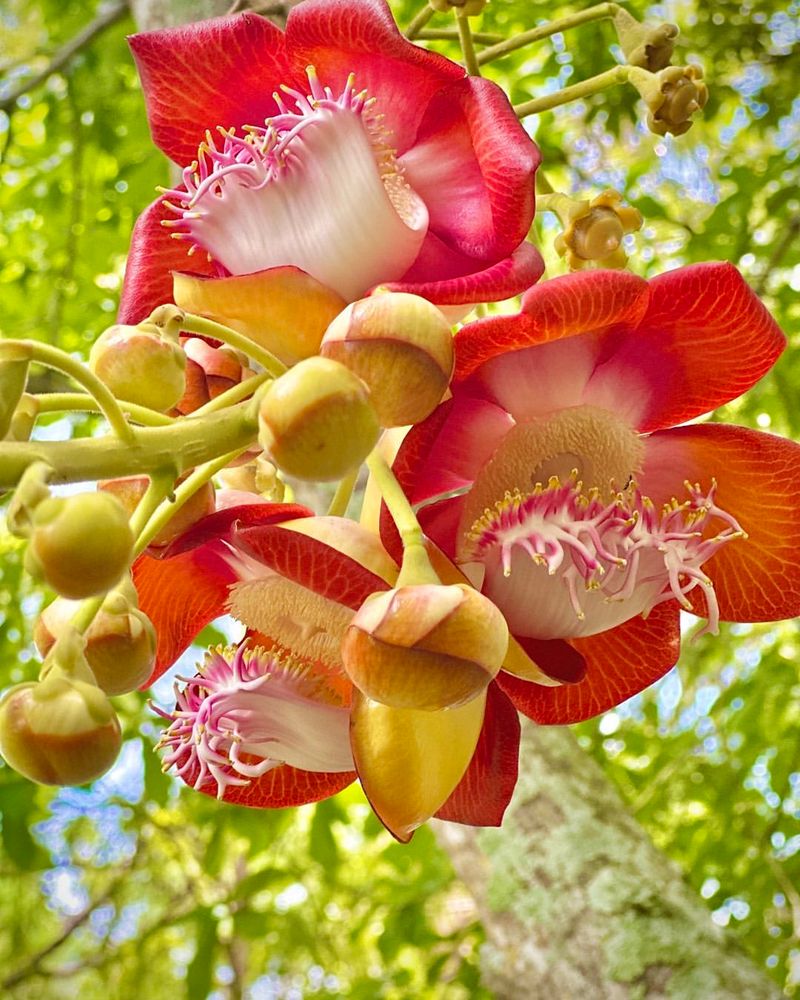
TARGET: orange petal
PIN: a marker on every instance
(282, 786)
(283, 309)
(758, 483)
(410, 761)
(619, 664)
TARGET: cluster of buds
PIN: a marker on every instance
(385, 361)
(593, 230)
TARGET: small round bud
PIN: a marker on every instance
(672, 96)
(316, 422)
(129, 490)
(120, 644)
(80, 545)
(59, 731)
(594, 230)
(140, 364)
(425, 646)
(401, 346)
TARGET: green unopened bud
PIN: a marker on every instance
(119, 645)
(13, 379)
(401, 346)
(469, 7)
(672, 96)
(316, 422)
(647, 45)
(59, 731)
(80, 545)
(142, 364)
(593, 230)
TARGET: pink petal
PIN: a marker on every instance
(473, 165)
(217, 72)
(340, 37)
(619, 663)
(152, 257)
(482, 795)
(758, 483)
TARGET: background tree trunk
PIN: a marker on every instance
(578, 903)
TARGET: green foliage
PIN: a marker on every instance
(138, 881)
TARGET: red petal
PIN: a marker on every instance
(340, 37)
(280, 787)
(561, 307)
(706, 338)
(468, 279)
(181, 596)
(619, 664)
(758, 483)
(152, 258)
(311, 563)
(217, 72)
(224, 522)
(481, 797)
(471, 150)
(556, 657)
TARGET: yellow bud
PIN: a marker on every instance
(647, 45)
(120, 644)
(140, 364)
(672, 96)
(594, 230)
(80, 545)
(59, 731)
(425, 646)
(317, 422)
(401, 346)
(129, 491)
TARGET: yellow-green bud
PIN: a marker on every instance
(401, 346)
(120, 643)
(59, 731)
(80, 545)
(672, 96)
(141, 364)
(594, 230)
(316, 422)
(425, 646)
(647, 45)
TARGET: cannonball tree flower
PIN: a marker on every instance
(322, 162)
(557, 476)
(267, 724)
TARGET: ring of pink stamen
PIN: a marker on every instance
(263, 152)
(601, 544)
(204, 739)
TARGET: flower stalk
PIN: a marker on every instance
(467, 44)
(210, 328)
(578, 91)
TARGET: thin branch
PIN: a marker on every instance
(63, 55)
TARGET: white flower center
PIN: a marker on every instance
(318, 188)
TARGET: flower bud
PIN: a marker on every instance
(647, 45)
(594, 231)
(140, 364)
(80, 545)
(120, 644)
(401, 346)
(317, 422)
(23, 418)
(673, 95)
(130, 490)
(425, 646)
(59, 731)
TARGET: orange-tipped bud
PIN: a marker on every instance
(59, 731)
(316, 422)
(80, 545)
(120, 644)
(425, 646)
(141, 364)
(130, 490)
(401, 346)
